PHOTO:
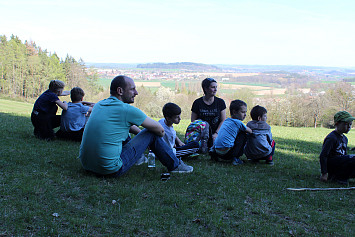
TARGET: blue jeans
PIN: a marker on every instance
(133, 150)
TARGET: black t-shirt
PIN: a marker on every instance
(334, 145)
(209, 113)
(46, 103)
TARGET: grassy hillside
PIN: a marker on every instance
(44, 191)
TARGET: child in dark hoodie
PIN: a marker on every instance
(260, 145)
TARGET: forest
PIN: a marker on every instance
(26, 70)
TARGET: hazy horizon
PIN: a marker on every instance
(238, 32)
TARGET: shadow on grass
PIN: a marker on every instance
(293, 158)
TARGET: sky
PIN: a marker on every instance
(247, 32)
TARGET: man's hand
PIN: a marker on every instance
(324, 177)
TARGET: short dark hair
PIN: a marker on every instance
(76, 94)
(206, 83)
(119, 81)
(236, 105)
(257, 111)
(55, 85)
(171, 109)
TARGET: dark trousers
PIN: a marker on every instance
(341, 167)
(236, 151)
(44, 123)
(71, 135)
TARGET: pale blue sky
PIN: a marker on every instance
(270, 32)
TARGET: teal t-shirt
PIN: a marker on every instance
(106, 129)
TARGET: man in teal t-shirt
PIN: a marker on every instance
(110, 122)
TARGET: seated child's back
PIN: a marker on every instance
(75, 117)
(259, 145)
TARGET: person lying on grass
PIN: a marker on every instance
(335, 163)
(102, 151)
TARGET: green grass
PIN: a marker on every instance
(41, 178)
(8, 106)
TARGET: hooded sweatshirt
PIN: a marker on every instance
(259, 142)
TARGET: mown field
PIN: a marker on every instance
(45, 192)
(224, 87)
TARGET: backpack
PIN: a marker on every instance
(198, 131)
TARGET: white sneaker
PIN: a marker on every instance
(183, 168)
(142, 160)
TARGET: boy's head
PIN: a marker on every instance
(238, 109)
(258, 113)
(343, 121)
(76, 94)
(56, 86)
(172, 112)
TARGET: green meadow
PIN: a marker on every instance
(105, 82)
(45, 192)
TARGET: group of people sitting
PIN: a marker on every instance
(107, 148)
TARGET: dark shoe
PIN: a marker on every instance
(237, 161)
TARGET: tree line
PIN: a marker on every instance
(26, 70)
(295, 108)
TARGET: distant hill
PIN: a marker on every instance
(200, 67)
(112, 65)
(181, 65)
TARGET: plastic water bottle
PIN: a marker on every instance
(151, 159)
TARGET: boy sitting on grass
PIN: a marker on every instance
(231, 137)
(43, 116)
(335, 163)
(172, 114)
(74, 118)
(260, 145)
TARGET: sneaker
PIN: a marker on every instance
(183, 168)
(193, 155)
(269, 162)
(237, 161)
(142, 160)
